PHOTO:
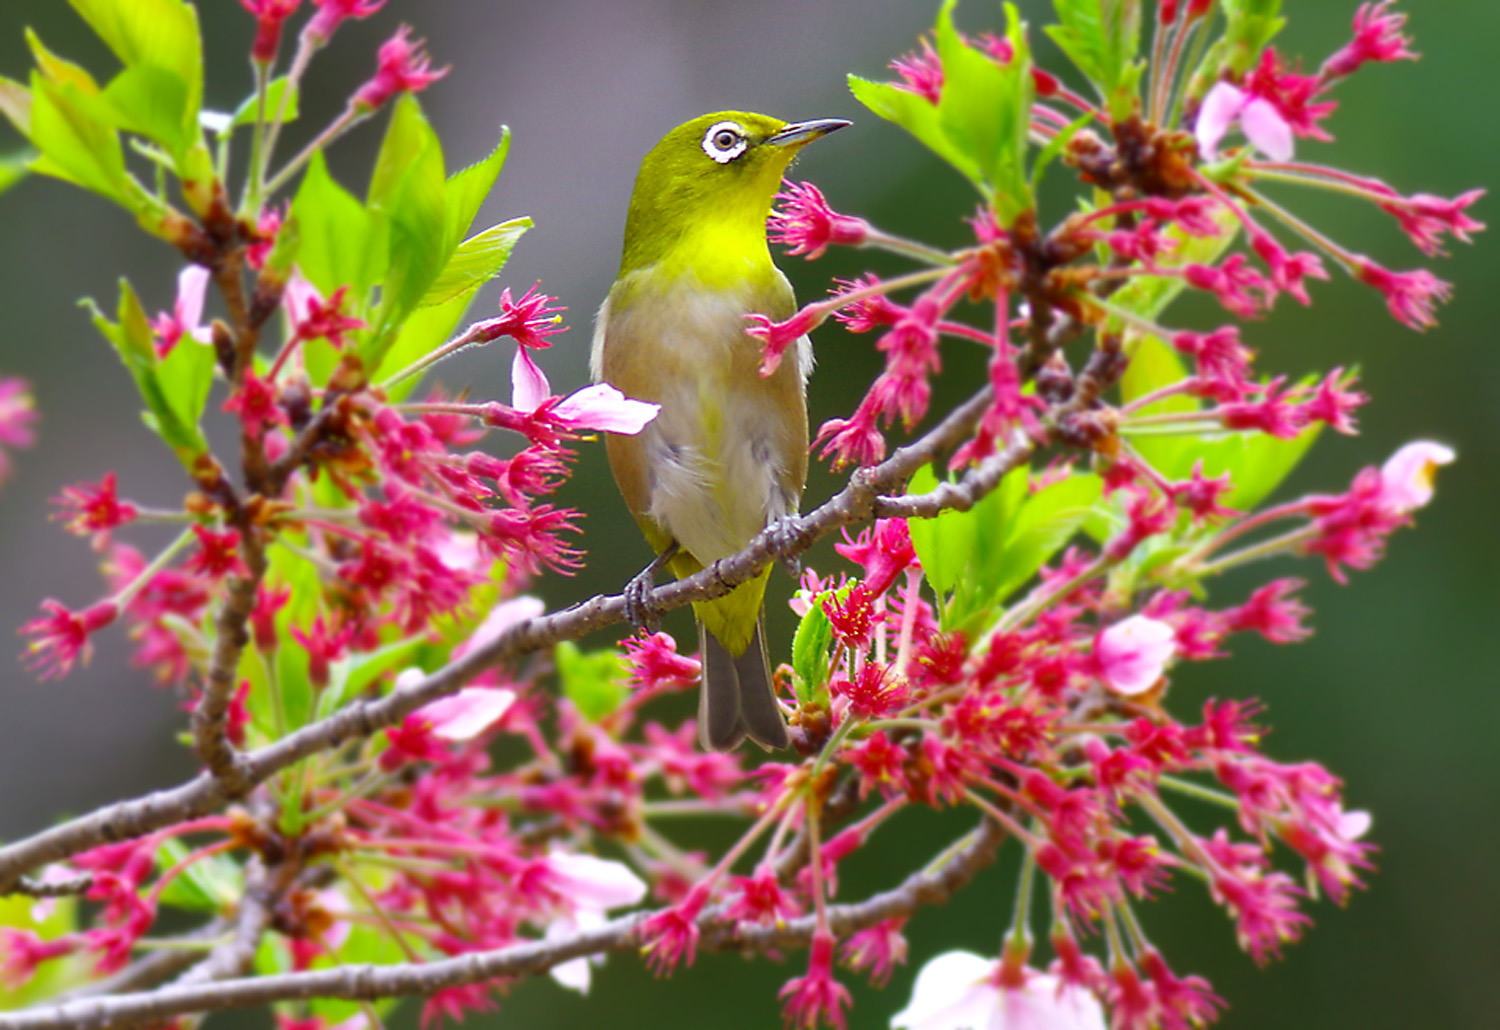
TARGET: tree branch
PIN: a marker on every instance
(368, 983)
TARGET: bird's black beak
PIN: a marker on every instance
(798, 133)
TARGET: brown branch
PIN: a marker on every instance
(368, 983)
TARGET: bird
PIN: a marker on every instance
(726, 455)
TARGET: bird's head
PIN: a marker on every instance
(709, 183)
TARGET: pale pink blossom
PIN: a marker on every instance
(1132, 654)
(600, 406)
(1407, 475)
(186, 318)
(592, 886)
(464, 715)
(1263, 125)
(959, 990)
(501, 618)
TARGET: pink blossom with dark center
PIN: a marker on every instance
(805, 223)
(218, 554)
(401, 67)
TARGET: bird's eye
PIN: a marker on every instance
(724, 142)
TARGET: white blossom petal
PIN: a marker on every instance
(1220, 108)
(592, 883)
(1266, 130)
(1406, 477)
(603, 407)
(466, 714)
(528, 385)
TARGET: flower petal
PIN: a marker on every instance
(1220, 108)
(1406, 477)
(192, 285)
(952, 992)
(594, 883)
(466, 714)
(601, 406)
(1266, 130)
(528, 386)
(1133, 653)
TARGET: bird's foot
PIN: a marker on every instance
(785, 534)
(640, 609)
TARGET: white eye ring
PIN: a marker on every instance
(724, 141)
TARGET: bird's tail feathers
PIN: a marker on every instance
(737, 698)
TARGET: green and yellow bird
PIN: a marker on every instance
(727, 454)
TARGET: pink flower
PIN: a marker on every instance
(1240, 288)
(1273, 612)
(186, 318)
(466, 714)
(1377, 37)
(94, 510)
(879, 949)
(22, 951)
(1200, 495)
(317, 319)
(332, 13)
(817, 997)
(776, 337)
(255, 404)
(218, 554)
(760, 899)
(594, 883)
(600, 406)
(501, 618)
(529, 321)
(401, 67)
(921, 73)
(1333, 404)
(1132, 654)
(884, 552)
(655, 664)
(1410, 296)
(60, 639)
(852, 441)
(324, 646)
(1424, 218)
(1406, 477)
(672, 935)
(959, 990)
(269, 15)
(1258, 118)
(805, 223)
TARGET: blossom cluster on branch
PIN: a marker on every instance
(416, 782)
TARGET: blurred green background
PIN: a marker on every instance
(1399, 691)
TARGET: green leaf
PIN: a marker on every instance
(1049, 153)
(349, 678)
(468, 187)
(210, 884)
(810, 648)
(593, 681)
(1154, 365)
(476, 261)
(131, 338)
(70, 125)
(985, 109)
(149, 101)
(341, 243)
(945, 545)
(1080, 35)
(917, 116)
(1045, 522)
(1252, 24)
(13, 168)
(186, 375)
(275, 90)
(409, 188)
(425, 329)
(160, 33)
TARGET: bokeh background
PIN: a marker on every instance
(1399, 691)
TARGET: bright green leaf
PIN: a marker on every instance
(13, 168)
(1252, 24)
(810, 649)
(211, 884)
(468, 187)
(423, 330)
(163, 33)
(71, 127)
(917, 116)
(593, 681)
(150, 102)
(17, 911)
(476, 261)
(275, 91)
(340, 242)
(186, 375)
(1043, 524)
